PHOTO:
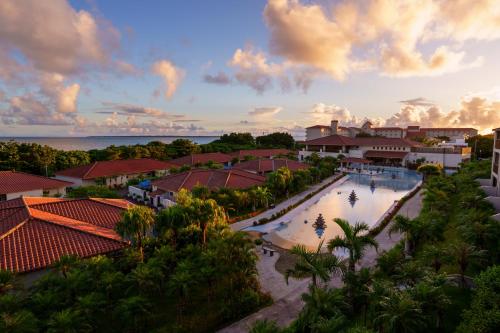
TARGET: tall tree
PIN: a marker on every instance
(135, 225)
(315, 264)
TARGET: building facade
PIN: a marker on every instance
(15, 184)
(318, 131)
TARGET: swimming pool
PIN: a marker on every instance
(355, 198)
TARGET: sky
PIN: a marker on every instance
(118, 67)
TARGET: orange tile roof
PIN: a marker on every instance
(268, 165)
(201, 159)
(260, 152)
(14, 181)
(213, 179)
(115, 168)
(36, 232)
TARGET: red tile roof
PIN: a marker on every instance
(268, 165)
(385, 154)
(36, 232)
(213, 179)
(201, 159)
(340, 140)
(115, 168)
(260, 153)
(13, 182)
(318, 126)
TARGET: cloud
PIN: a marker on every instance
(478, 110)
(171, 74)
(419, 101)
(136, 110)
(390, 34)
(27, 110)
(220, 78)
(252, 68)
(265, 111)
(130, 125)
(54, 37)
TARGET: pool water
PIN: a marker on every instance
(373, 196)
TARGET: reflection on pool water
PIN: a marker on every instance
(359, 198)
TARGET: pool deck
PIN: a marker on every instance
(288, 298)
(284, 204)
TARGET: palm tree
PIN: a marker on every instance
(399, 313)
(353, 241)
(314, 264)
(429, 170)
(260, 196)
(436, 256)
(7, 281)
(464, 254)
(170, 221)
(207, 213)
(65, 263)
(21, 321)
(135, 224)
(407, 226)
(432, 297)
(280, 180)
(66, 321)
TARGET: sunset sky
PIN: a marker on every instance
(116, 67)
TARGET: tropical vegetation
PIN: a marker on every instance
(185, 271)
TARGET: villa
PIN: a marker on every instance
(200, 159)
(318, 131)
(385, 151)
(35, 232)
(15, 184)
(265, 165)
(162, 192)
(114, 173)
(259, 153)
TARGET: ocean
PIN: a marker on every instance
(101, 142)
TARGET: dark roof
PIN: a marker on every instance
(13, 182)
(213, 179)
(201, 159)
(260, 152)
(385, 154)
(340, 140)
(268, 165)
(115, 168)
(36, 232)
(318, 126)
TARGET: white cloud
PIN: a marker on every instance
(138, 110)
(390, 34)
(171, 74)
(265, 112)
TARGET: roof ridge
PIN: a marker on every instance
(185, 179)
(38, 176)
(91, 168)
(109, 201)
(74, 224)
(12, 230)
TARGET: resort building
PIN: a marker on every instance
(35, 232)
(201, 159)
(265, 165)
(385, 151)
(15, 184)
(495, 165)
(162, 192)
(259, 153)
(113, 173)
(318, 131)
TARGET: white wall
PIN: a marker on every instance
(33, 193)
(446, 160)
(76, 181)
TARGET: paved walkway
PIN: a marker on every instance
(282, 205)
(288, 302)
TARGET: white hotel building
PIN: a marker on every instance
(384, 151)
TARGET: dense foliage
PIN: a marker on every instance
(425, 283)
(92, 191)
(482, 145)
(44, 160)
(193, 276)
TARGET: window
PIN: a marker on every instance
(3, 197)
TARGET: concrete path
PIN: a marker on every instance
(288, 302)
(282, 205)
